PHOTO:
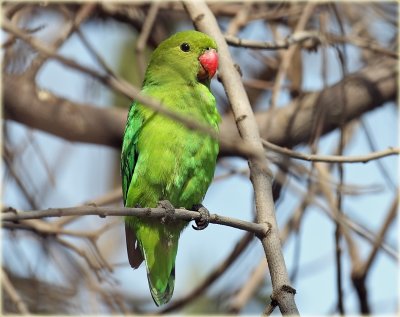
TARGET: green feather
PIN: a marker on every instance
(162, 159)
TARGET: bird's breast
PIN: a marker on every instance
(181, 162)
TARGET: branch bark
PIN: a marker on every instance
(294, 123)
(45, 111)
(367, 89)
(331, 158)
(260, 175)
(13, 215)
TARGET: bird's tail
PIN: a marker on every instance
(162, 296)
(159, 245)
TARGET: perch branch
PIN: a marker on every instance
(183, 214)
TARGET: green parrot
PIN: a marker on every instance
(163, 160)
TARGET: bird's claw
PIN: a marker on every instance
(169, 209)
(204, 220)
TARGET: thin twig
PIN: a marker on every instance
(303, 36)
(252, 284)
(241, 19)
(387, 176)
(346, 222)
(331, 158)
(144, 35)
(381, 235)
(15, 173)
(360, 271)
(360, 42)
(295, 38)
(94, 53)
(12, 292)
(287, 56)
(82, 15)
(342, 55)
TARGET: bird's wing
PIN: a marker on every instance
(129, 157)
(130, 153)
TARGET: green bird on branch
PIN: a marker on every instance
(164, 163)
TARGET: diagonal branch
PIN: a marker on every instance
(360, 272)
(369, 88)
(260, 175)
(124, 87)
(12, 292)
(294, 123)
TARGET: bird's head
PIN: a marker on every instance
(189, 55)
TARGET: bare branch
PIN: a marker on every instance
(295, 38)
(331, 158)
(367, 89)
(122, 86)
(183, 214)
(259, 173)
(81, 16)
(360, 272)
(313, 37)
(287, 56)
(246, 292)
(144, 35)
(11, 291)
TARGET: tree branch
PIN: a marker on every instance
(295, 122)
(331, 158)
(368, 89)
(45, 111)
(259, 173)
(295, 38)
(12, 292)
(124, 87)
(360, 272)
(183, 214)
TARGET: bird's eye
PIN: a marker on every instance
(185, 47)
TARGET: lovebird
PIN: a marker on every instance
(164, 161)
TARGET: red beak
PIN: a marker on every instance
(209, 63)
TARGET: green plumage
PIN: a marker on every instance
(163, 160)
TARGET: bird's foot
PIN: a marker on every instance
(169, 210)
(204, 220)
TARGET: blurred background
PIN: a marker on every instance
(62, 129)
